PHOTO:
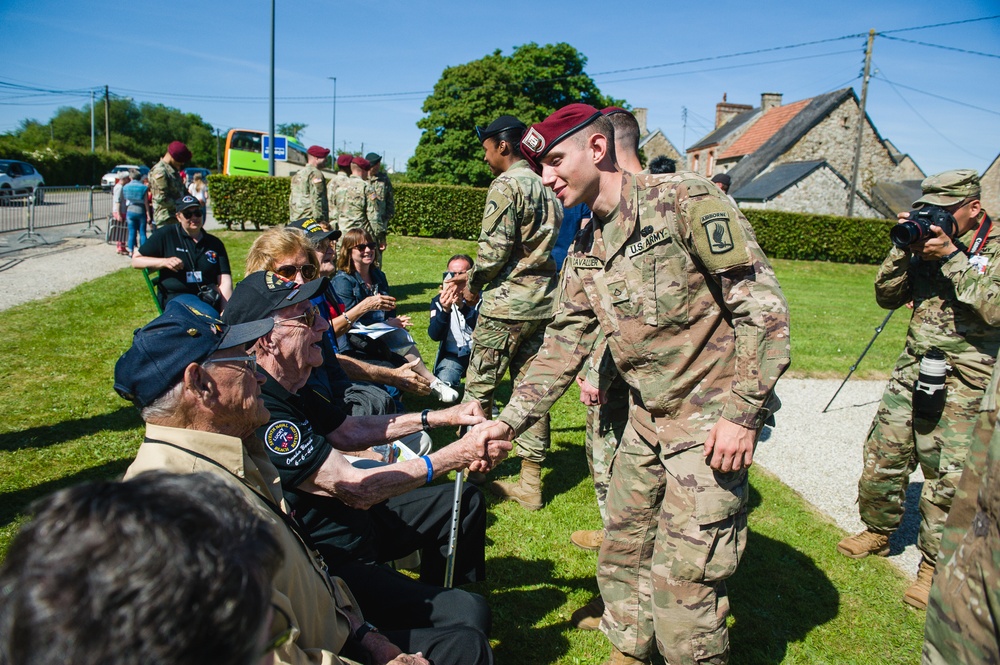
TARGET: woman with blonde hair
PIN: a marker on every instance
(199, 189)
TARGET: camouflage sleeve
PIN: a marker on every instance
(498, 235)
(317, 197)
(569, 339)
(158, 185)
(977, 283)
(892, 283)
(374, 214)
(390, 203)
(600, 369)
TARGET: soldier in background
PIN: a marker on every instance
(335, 190)
(380, 194)
(308, 192)
(697, 325)
(356, 210)
(951, 282)
(165, 183)
(516, 277)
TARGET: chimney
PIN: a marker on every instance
(724, 111)
(769, 100)
(640, 117)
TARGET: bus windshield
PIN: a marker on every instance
(244, 154)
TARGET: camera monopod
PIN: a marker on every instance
(857, 362)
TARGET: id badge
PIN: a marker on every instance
(194, 277)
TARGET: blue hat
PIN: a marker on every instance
(188, 331)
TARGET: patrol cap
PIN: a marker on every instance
(314, 230)
(948, 188)
(543, 136)
(362, 162)
(344, 160)
(186, 203)
(501, 124)
(264, 292)
(374, 158)
(318, 151)
(179, 151)
(188, 331)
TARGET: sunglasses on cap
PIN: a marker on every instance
(308, 271)
(366, 245)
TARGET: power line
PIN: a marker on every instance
(946, 48)
(931, 94)
(939, 25)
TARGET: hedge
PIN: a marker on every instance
(448, 211)
(67, 167)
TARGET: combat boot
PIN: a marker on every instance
(619, 658)
(589, 616)
(587, 540)
(916, 595)
(865, 543)
(527, 491)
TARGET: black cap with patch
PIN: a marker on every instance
(314, 230)
(501, 124)
(264, 292)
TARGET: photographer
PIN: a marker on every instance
(452, 321)
(950, 270)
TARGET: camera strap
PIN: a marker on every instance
(984, 230)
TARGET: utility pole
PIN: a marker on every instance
(684, 132)
(861, 124)
(270, 156)
(333, 136)
(218, 155)
(91, 121)
(107, 122)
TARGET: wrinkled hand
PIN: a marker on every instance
(492, 439)
(589, 394)
(402, 321)
(409, 659)
(404, 378)
(730, 446)
(466, 414)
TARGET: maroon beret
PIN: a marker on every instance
(362, 162)
(609, 110)
(179, 151)
(344, 160)
(318, 151)
(543, 136)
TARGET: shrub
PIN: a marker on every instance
(438, 211)
(238, 199)
(68, 166)
(792, 235)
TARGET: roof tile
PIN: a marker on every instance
(765, 127)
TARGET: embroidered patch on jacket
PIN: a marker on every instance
(283, 437)
(719, 241)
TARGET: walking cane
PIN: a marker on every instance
(456, 512)
(857, 362)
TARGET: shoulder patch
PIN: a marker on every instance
(283, 437)
(718, 236)
(496, 206)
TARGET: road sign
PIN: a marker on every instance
(280, 148)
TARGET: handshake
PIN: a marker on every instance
(485, 443)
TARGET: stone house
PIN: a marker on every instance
(655, 143)
(813, 141)
(990, 182)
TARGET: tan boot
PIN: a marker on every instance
(589, 616)
(619, 658)
(865, 543)
(527, 491)
(587, 540)
(916, 595)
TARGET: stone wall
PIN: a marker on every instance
(990, 182)
(820, 193)
(659, 145)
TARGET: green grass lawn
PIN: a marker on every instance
(794, 599)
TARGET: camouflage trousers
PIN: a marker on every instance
(605, 426)
(898, 441)
(499, 345)
(676, 530)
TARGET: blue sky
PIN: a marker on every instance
(212, 58)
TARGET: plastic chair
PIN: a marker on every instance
(152, 281)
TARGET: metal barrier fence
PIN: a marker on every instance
(50, 207)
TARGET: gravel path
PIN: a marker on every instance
(817, 454)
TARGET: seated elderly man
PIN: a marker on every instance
(74, 587)
(359, 518)
(199, 393)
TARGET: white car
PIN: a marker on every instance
(109, 178)
(19, 180)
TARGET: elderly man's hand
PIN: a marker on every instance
(729, 446)
(492, 440)
(404, 378)
(409, 659)
(589, 394)
(461, 415)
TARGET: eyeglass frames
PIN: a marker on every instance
(251, 359)
(308, 271)
(308, 317)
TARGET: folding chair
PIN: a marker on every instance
(152, 282)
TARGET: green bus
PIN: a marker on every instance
(244, 154)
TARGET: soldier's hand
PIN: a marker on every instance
(404, 378)
(935, 247)
(729, 447)
(491, 439)
(590, 395)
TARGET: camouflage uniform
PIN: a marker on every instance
(353, 210)
(381, 200)
(166, 186)
(698, 327)
(962, 622)
(335, 197)
(605, 422)
(308, 196)
(515, 272)
(956, 306)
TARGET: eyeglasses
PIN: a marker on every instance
(188, 214)
(308, 317)
(308, 271)
(368, 245)
(281, 630)
(251, 359)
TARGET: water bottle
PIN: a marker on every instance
(929, 391)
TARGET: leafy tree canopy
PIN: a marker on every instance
(529, 84)
(292, 129)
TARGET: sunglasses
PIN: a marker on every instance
(281, 630)
(188, 214)
(308, 317)
(368, 245)
(308, 271)
(251, 359)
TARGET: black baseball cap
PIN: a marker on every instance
(188, 331)
(264, 292)
(314, 230)
(186, 203)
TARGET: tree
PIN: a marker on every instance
(292, 129)
(530, 83)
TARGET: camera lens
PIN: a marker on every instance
(905, 234)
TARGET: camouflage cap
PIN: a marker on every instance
(948, 188)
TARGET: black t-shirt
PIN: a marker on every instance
(298, 449)
(208, 256)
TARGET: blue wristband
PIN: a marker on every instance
(430, 468)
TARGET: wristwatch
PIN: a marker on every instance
(363, 630)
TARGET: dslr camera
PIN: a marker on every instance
(918, 226)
